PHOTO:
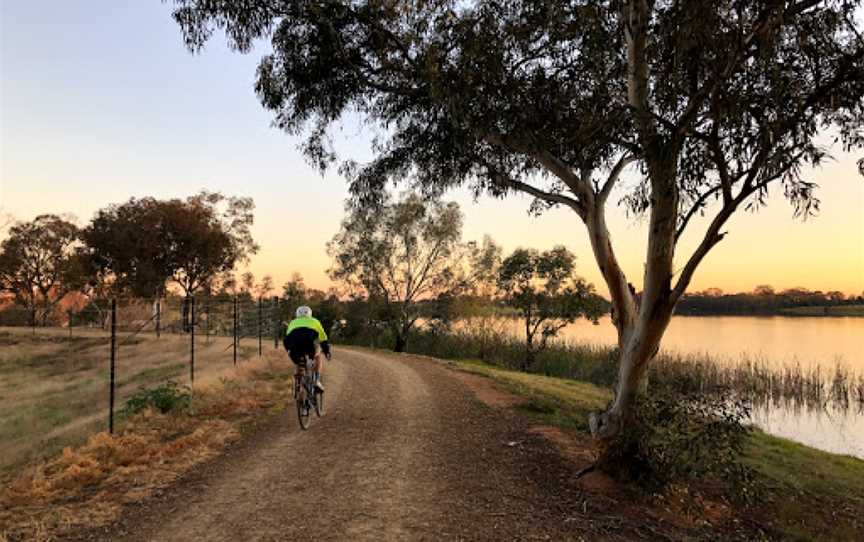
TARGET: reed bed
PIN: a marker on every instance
(764, 384)
(753, 379)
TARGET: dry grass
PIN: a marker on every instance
(86, 486)
(54, 389)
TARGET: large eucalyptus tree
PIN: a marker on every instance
(711, 102)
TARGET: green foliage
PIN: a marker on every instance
(503, 95)
(765, 300)
(169, 397)
(138, 245)
(675, 437)
(542, 286)
(399, 253)
(39, 264)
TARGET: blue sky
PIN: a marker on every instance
(100, 101)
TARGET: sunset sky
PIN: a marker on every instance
(100, 101)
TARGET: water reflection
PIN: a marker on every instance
(830, 429)
(781, 340)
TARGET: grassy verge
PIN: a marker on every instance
(54, 388)
(86, 486)
(562, 402)
(812, 495)
(809, 494)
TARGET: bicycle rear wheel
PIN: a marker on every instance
(303, 413)
(319, 403)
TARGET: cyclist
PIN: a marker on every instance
(303, 337)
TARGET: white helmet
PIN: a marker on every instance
(303, 312)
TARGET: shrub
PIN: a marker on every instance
(678, 438)
(169, 397)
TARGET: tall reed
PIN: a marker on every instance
(752, 378)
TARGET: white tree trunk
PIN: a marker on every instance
(641, 345)
(641, 323)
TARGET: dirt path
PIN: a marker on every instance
(405, 452)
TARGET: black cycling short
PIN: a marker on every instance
(301, 342)
(298, 354)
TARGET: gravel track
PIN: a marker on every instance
(405, 451)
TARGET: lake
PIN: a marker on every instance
(777, 340)
(774, 340)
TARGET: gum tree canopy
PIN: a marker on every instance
(400, 253)
(39, 264)
(710, 101)
(139, 245)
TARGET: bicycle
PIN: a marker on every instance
(306, 394)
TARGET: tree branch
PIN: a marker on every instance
(763, 23)
(711, 238)
(720, 160)
(636, 16)
(504, 180)
(601, 243)
(623, 162)
(552, 163)
(712, 234)
(430, 259)
(694, 209)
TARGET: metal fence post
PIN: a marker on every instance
(207, 321)
(158, 319)
(260, 318)
(235, 330)
(69, 314)
(192, 343)
(113, 359)
(276, 322)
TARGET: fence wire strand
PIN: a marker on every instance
(123, 320)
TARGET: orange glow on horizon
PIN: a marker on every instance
(825, 252)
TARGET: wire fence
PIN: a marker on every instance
(108, 348)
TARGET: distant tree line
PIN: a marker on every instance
(763, 300)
